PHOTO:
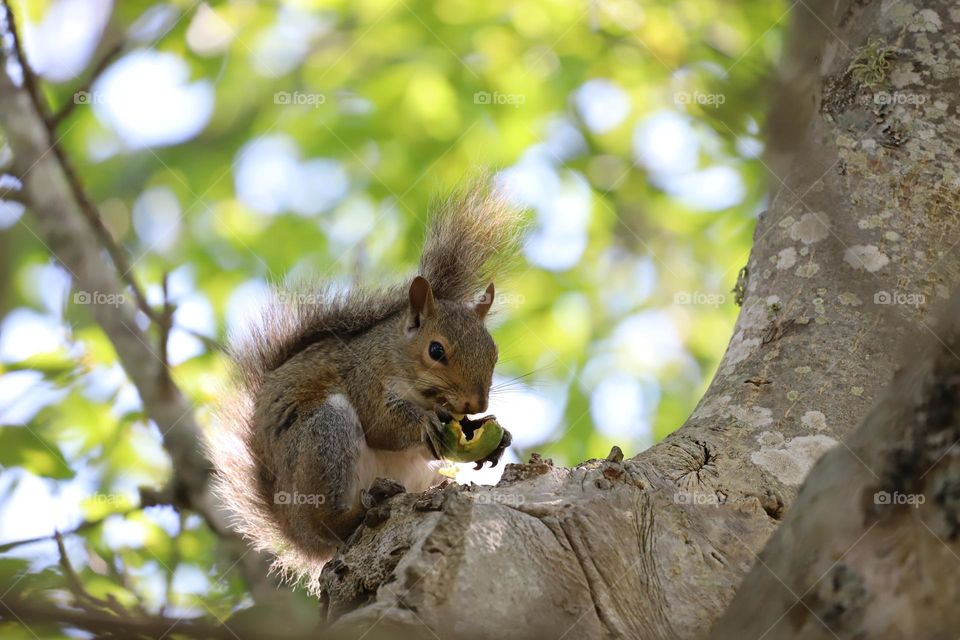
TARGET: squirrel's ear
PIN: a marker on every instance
(422, 304)
(486, 300)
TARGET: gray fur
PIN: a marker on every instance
(331, 388)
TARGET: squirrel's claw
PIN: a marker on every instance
(379, 491)
(375, 500)
(496, 454)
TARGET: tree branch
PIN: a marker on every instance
(83, 598)
(27, 611)
(64, 215)
(70, 226)
(655, 546)
(86, 206)
(32, 612)
(84, 526)
(871, 547)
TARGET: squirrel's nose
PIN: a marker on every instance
(476, 404)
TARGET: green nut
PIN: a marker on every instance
(467, 440)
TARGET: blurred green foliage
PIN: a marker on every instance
(401, 117)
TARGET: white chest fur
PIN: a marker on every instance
(413, 468)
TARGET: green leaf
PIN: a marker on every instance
(24, 447)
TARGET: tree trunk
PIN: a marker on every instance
(854, 252)
(870, 547)
(66, 222)
(856, 248)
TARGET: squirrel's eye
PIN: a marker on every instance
(436, 351)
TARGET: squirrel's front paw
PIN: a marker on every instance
(433, 432)
(496, 454)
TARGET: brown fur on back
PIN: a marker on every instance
(471, 236)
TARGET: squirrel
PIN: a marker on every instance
(336, 389)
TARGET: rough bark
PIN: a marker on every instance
(870, 547)
(655, 546)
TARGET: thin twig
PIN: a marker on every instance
(89, 210)
(165, 321)
(85, 87)
(120, 577)
(82, 527)
(83, 597)
(29, 81)
(35, 610)
(174, 562)
(71, 229)
(117, 254)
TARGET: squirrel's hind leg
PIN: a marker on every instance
(327, 466)
(324, 452)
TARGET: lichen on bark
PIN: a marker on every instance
(855, 250)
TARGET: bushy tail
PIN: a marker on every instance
(472, 237)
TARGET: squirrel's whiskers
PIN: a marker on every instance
(336, 388)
